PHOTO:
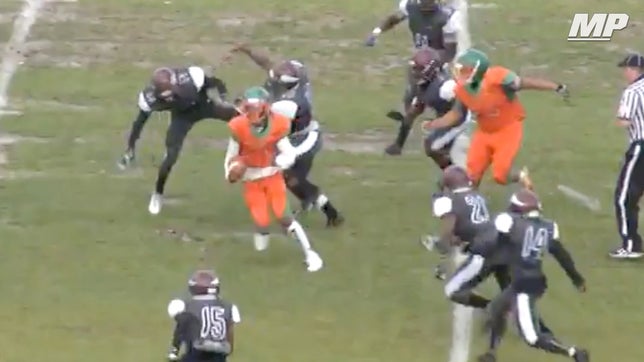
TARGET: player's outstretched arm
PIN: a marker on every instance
(287, 153)
(530, 83)
(449, 119)
(388, 23)
(135, 132)
(261, 59)
(563, 257)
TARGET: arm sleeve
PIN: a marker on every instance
(628, 104)
(285, 147)
(218, 84)
(287, 153)
(137, 126)
(181, 330)
(231, 151)
(564, 259)
(453, 26)
(442, 206)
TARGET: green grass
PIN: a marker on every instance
(85, 272)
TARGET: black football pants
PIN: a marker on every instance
(180, 124)
(628, 192)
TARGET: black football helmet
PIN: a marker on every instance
(425, 65)
(454, 177)
(203, 282)
(524, 201)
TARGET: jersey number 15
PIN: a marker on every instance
(213, 324)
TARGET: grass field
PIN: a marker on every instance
(85, 272)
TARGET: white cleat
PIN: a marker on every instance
(313, 261)
(156, 202)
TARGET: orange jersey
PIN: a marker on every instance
(259, 149)
(493, 107)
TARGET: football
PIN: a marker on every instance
(237, 168)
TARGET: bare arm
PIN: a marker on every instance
(231, 151)
(261, 59)
(536, 84)
(411, 114)
(447, 120)
(391, 21)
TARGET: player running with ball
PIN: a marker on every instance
(490, 93)
(256, 136)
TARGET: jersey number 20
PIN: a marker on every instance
(213, 324)
(478, 213)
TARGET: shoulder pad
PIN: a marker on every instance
(176, 307)
(286, 108)
(503, 222)
(447, 90)
(442, 206)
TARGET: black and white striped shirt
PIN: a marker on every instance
(631, 108)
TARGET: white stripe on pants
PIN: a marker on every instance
(624, 188)
(526, 322)
(473, 266)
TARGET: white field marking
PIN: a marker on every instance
(462, 315)
(11, 57)
(588, 202)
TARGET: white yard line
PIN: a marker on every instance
(12, 57)
(462, 316)
(583, 199)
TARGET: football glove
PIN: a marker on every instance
(127, 159)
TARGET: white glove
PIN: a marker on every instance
(284, 161)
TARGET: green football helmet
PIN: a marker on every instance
(470, 67)
(255, 104)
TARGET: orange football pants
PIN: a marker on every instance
(264, 194)
(498, 149)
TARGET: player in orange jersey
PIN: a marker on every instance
(490, 93)
(257, 135)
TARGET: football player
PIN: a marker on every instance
(183, 92)
(288, 83)
(526, 236)
(431, 25)
(259, 140)
(204, 322)
(431, 87)
(491, 94)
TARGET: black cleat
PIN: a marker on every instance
(487, 357)
(335, 221)
(581, 355)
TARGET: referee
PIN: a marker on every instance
(630, 184)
